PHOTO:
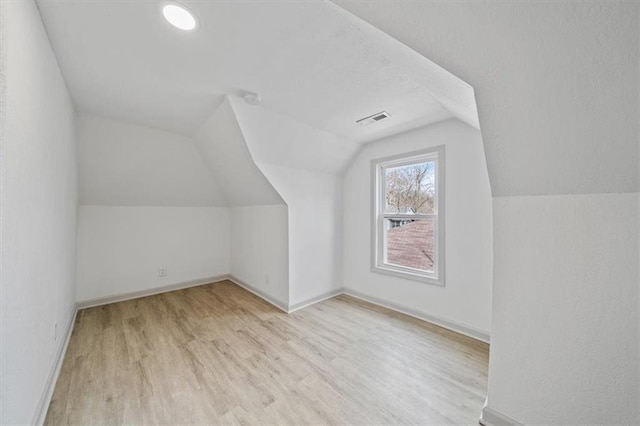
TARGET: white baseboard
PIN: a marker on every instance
(149, 292)
(450, 325)
(491, 417)
(459, 328)
(45, 399)
(251, 289)
(314, 300)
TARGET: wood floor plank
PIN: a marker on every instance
(217, 354)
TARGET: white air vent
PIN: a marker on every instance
(373, 118)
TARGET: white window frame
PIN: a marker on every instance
(378, 264)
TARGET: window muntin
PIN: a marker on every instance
(408, 216)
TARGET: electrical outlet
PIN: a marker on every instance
(162, 271)
(55, 331)
(266, 279)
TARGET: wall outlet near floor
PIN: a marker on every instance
(266, 279)
(162, 271)
(55, 331)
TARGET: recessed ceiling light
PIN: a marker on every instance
(179, 16)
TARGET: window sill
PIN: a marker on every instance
(408, 275)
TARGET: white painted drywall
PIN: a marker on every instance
(38, 199)
(259, 249)
(295, 169)
(466, 297)
(556, 84)
(562, 347)
(305, 59)
(124, 164)
(121, 248)
(557, 87)
(315, 234)
(223, 147)
(281, 140)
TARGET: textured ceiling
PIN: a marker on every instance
(557, 84)
(310, 61)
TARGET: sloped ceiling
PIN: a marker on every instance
(278, 139)
(313, 64)
(563, 122)
(225, 152)
(124, 164)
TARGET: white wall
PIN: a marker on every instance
(546, 75)
(148, 201)
(223, 147)
(121, 248)
(557, 86)
(125, 164)
(259, 250)
(315, 230)
(302, 164)
(583, 249)
(279, 139)
(466, 297)
(38, 198)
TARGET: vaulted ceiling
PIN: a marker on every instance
(312, 63)
(562, 122)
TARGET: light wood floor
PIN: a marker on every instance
(218, 354)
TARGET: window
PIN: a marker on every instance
(408, 215)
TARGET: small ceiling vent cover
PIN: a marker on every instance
(373, 118)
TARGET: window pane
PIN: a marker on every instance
(410, 189)
(409, 243)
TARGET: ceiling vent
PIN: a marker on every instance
(373, 118)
